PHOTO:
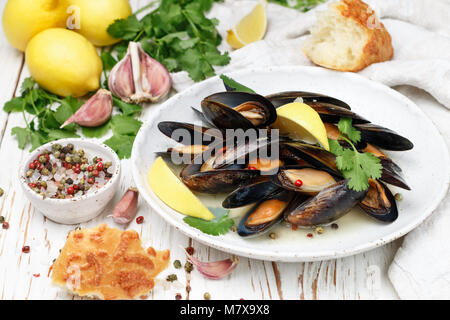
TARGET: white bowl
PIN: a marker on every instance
(77, 209)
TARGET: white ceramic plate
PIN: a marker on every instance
(426, 167)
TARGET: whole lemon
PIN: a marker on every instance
(22, 19)
(95, 17)
(64, 62)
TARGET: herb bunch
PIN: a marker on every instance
(48, 112)
(177, 34)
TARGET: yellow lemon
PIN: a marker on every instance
(172, 191)
(22, 19)
(300, 121)
(64, 62)
(250, 29)
(91, 18)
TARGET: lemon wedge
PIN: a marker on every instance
(250, 29)
(171, 190)
(300, 121)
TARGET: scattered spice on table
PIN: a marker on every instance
(207, 296)
(188, 267)
(310, 235)
(319, 230)
(273, 235)
(63, 172)
(26, 249)
(334, 226)
(190, 250)
(36, 275)
(188, 288)
(5, 225)
(178, 296)
(398, 197)
(177, 264)
(171, 278)
(140, 220)
(1, 192)
(2, 219)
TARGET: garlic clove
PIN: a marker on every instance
(94, 112)
(139, 78)
(214, 270)
(126, 208)
(121, 80)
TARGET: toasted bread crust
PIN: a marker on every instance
(107, 263)
(377, 48)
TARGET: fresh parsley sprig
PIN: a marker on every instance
(221, 224)
(176, 33)
(303, 5)
(44, 113)
(356, 166)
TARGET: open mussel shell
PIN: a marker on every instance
(303, 152)
(327, 206)
(251, 193)
(282, 98)
(383, 138)
(190, 134)
(216, 181)
(312, 180)
(391, 173)
(265, 214)
(238, 110)
(379, 202)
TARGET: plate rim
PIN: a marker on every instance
(216, 241)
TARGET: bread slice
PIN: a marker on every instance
(348, 37)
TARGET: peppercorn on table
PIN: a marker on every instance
(29, 242)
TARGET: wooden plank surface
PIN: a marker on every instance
(359, 277)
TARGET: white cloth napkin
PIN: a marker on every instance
(421, 38)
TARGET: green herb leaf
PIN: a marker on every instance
(108, 60)
(14, 105)
(56, 134)
(122, 145)
(221, 224)
(126, 29)
(22, 135)
(96, 132)
(128, 109)
(233, 84)
(303, 5)
(345, 127)
(125, 125)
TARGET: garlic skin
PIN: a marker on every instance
(126, 208)
(214, 270)
(138, 77)
(94, 112)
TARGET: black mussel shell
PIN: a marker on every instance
(327, 206)
(190, 134)
(279, 201)
(383, 138)
(379, 202)
(220, 109)
(282, 98)
(249, 194)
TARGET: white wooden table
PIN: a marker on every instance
(362, 276)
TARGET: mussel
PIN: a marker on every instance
(238, 110)
(306, 180)
(383, 137)
(330, 109)
(216, 180)
(329, 205)
(379, 202)
(251, 193)
(190, 134)
(301, 152)
(265, 214)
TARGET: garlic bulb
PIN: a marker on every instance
(94, 112)
(215, 270)
(138, 77)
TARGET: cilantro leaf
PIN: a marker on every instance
(22, 135)
(126, 29)
(127, 109)
(221, 224)
(14, 105)
(233, 85)
(96, 132)
(125, 125)
(122, 145)
(345, 127)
